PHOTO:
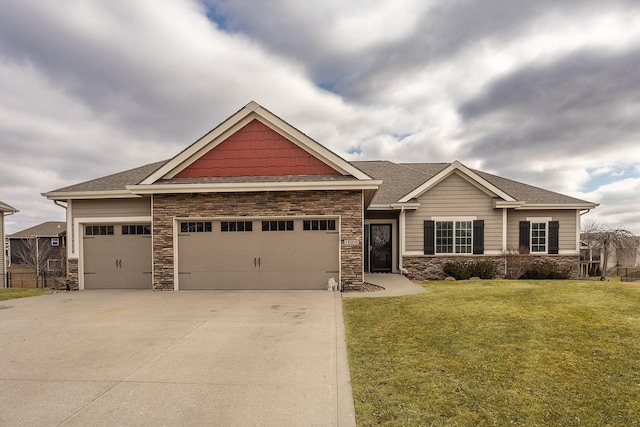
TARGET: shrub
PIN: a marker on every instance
(547, 269)
(484, 269)
(457, 270)
(517, 262)
(598, 272)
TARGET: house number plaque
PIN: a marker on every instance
(353, 242)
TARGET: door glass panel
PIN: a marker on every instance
(380, 247)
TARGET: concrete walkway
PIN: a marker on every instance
(394, 285)
(140, 358)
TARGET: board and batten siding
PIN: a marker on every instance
(104, 208)
(567, 231)
(454, 196)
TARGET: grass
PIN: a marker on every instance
(494, 353)
(12, 293)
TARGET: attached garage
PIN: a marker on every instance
(117, 256)
(262, 253)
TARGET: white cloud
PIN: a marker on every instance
(98, 87)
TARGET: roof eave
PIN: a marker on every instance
(547, 206)
(142, 189)
(108, 194)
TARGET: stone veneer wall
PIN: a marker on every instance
(345, 203)
(72, 274)
(428, 267)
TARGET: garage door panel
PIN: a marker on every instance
(117, 261)
(282, 259)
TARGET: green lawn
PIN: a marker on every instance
(12, 293)
(467, 353)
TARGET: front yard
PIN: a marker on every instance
(473, 353)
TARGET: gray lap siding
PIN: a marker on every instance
(346, 204)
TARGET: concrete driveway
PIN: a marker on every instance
(227, 358)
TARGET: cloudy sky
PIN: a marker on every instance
(546, 92)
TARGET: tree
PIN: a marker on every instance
(619, 242)
(33, 253)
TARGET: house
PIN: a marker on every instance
(257, 204)
(620, 260)
(4, 210)
(41, 247)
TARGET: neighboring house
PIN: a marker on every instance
(591, 254)
(257, 204)
(41, 247)
(4, 210)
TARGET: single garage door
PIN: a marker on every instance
(258, 254)
(117, 256)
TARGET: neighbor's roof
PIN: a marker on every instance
(46, 229)
(6, 208)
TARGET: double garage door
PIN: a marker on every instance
(222, 254)
(258, 254)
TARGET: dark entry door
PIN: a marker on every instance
(380, 248)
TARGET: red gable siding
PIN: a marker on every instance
(256, 150)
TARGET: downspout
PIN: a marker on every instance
(402, 238)
(2, 258)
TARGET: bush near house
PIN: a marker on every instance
(546, 269)
(483, 269)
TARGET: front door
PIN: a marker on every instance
(381, 254)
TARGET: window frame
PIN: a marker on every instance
(537, 221)
(236, 226)
(268, 225)
(455, 236)
(194, 227)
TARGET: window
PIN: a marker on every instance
(195, 227)
(538, 237)
(277, 225)
(319, 224)
(226, 226)
(136, 229)
(454, 237)
(55, 241)
(99, 230)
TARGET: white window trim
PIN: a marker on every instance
(453, 219)
(55, 241)
(539, 220)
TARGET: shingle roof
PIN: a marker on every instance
(46, 229)
(6, 208)
(528, 193)
(116, 181)
(398, 180)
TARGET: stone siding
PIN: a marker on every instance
(345, 203)
(72, 274)
(429, 267)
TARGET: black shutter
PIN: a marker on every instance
(524, 246)
(478, 237)
(554, 237)
(429, 238)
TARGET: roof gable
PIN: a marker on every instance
(255, 150)
(204, 148)
(466, 173)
